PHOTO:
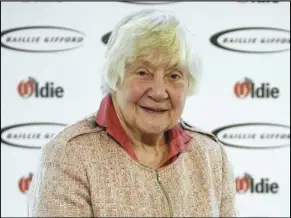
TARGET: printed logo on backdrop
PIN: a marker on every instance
(24, 183)
(247, 184)
(258, 1)
(105, 38)
(31, 88)
(247, 88)
(244, 184)
(149, 2)
(30, 135)
(41, 1)
(253, 40)
(254, 135)
(42, 39)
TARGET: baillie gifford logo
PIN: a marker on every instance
(149, 2)
(254, 135)
(40, 39)
(247, 184)
(105, 37)
(31, 88)
(24, 183)
(252, 40)
(30, 135)
(247, 88)
(257, 1)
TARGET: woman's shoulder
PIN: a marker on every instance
(72, 141)
(80, 127)
(197, 132)
(203, 140)
(205, 143)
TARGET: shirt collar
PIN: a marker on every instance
(107, 117)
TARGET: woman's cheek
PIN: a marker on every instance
(178, 96)
(136, 90)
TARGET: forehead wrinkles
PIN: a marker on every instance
(156, 59)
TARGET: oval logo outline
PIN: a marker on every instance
(105, 37)
(214, 39)
(220, 129)
(21, 125)
(149, 2)
(4, 32)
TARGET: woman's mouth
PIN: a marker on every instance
(154, 110)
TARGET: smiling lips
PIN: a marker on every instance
(154, 110)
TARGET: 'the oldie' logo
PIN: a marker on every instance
(247, 88)
(30, 87)
(247, 184)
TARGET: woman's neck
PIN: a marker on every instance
(151, 149)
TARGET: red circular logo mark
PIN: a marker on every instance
(24, 182)
(26, 88)
(242, 184)
(243, 89)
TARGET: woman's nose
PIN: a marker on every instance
(158, 90)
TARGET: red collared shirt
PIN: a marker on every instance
(107, 117)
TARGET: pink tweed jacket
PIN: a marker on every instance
(83, 172)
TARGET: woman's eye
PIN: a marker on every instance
(141, 73)
(175, 76)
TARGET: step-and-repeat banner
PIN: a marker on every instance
(51, 57)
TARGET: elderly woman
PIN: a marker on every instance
(136, 156)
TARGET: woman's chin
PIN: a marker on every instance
(152, 128)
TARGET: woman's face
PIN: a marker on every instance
(152, 96)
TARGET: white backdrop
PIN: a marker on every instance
(58, 46)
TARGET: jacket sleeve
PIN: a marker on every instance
(228, 194)
(60, 187)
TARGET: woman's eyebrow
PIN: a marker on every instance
(174, 67)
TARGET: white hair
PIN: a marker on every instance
(142, 32)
